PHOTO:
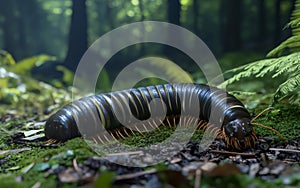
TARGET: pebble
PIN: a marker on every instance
(254, 168)
(208, 166)
(264, 171)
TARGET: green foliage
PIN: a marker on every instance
(17, 88)
(240, 58)
(151, 71)
(292, 44)
(103, 83)
(6, 58)
(105, 179)
(24, 66)
(286, 65)
(67, 74)
(173, 71)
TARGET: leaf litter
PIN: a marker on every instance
(271, 162)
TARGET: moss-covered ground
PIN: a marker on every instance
(285, 119)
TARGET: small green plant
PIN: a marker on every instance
(282, 61)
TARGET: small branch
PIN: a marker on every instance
(233, 153)
(126, 153)
(282, 149)
(75, 165)
(134, 175)
(14, 151)
(197, 178)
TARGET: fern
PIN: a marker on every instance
(285, 62)
(155, 70)
(292, 44)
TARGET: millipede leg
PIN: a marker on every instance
(139, 130)
(119, 133)
(145, 127)
(155, 124)
(169, 123)
(99, 138)
(112, 135)
(50, 141)
(124, 129)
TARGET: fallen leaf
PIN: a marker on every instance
(34, 137)
(31, 132)
(174, 178)
(37, 185)
(69, 176)
(14, 151)
(14, 168)
(27, 168)
(224, 170)
(41, 166)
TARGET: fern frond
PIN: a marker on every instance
(292, 84)
(248, 70)
(289, 65)
(283, 65)
(287, 62)
(290, 45)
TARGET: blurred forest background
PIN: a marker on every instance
(65, 29)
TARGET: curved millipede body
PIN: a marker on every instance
(213, 109)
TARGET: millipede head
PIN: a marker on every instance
(61, 126)
(239, 134)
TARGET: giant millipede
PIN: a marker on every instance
(205, 105)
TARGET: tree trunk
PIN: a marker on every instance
(77, 34)
(142, 50)
(196, 16)
(9, 27)
(232, 25)
(261, 23)
(277, 22)
(174, 7)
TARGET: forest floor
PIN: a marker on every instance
(27, 160)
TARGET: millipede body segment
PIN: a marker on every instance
(119, 114)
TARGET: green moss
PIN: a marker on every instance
(7, 181)
(52, 156)
(284, 118)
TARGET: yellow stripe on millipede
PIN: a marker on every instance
(102, 117)
(234, 106)
(118, 103)
(141, 104)
(161, 98)
(168, 97)
(145, 99)
(150, 92)
(131, 100)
